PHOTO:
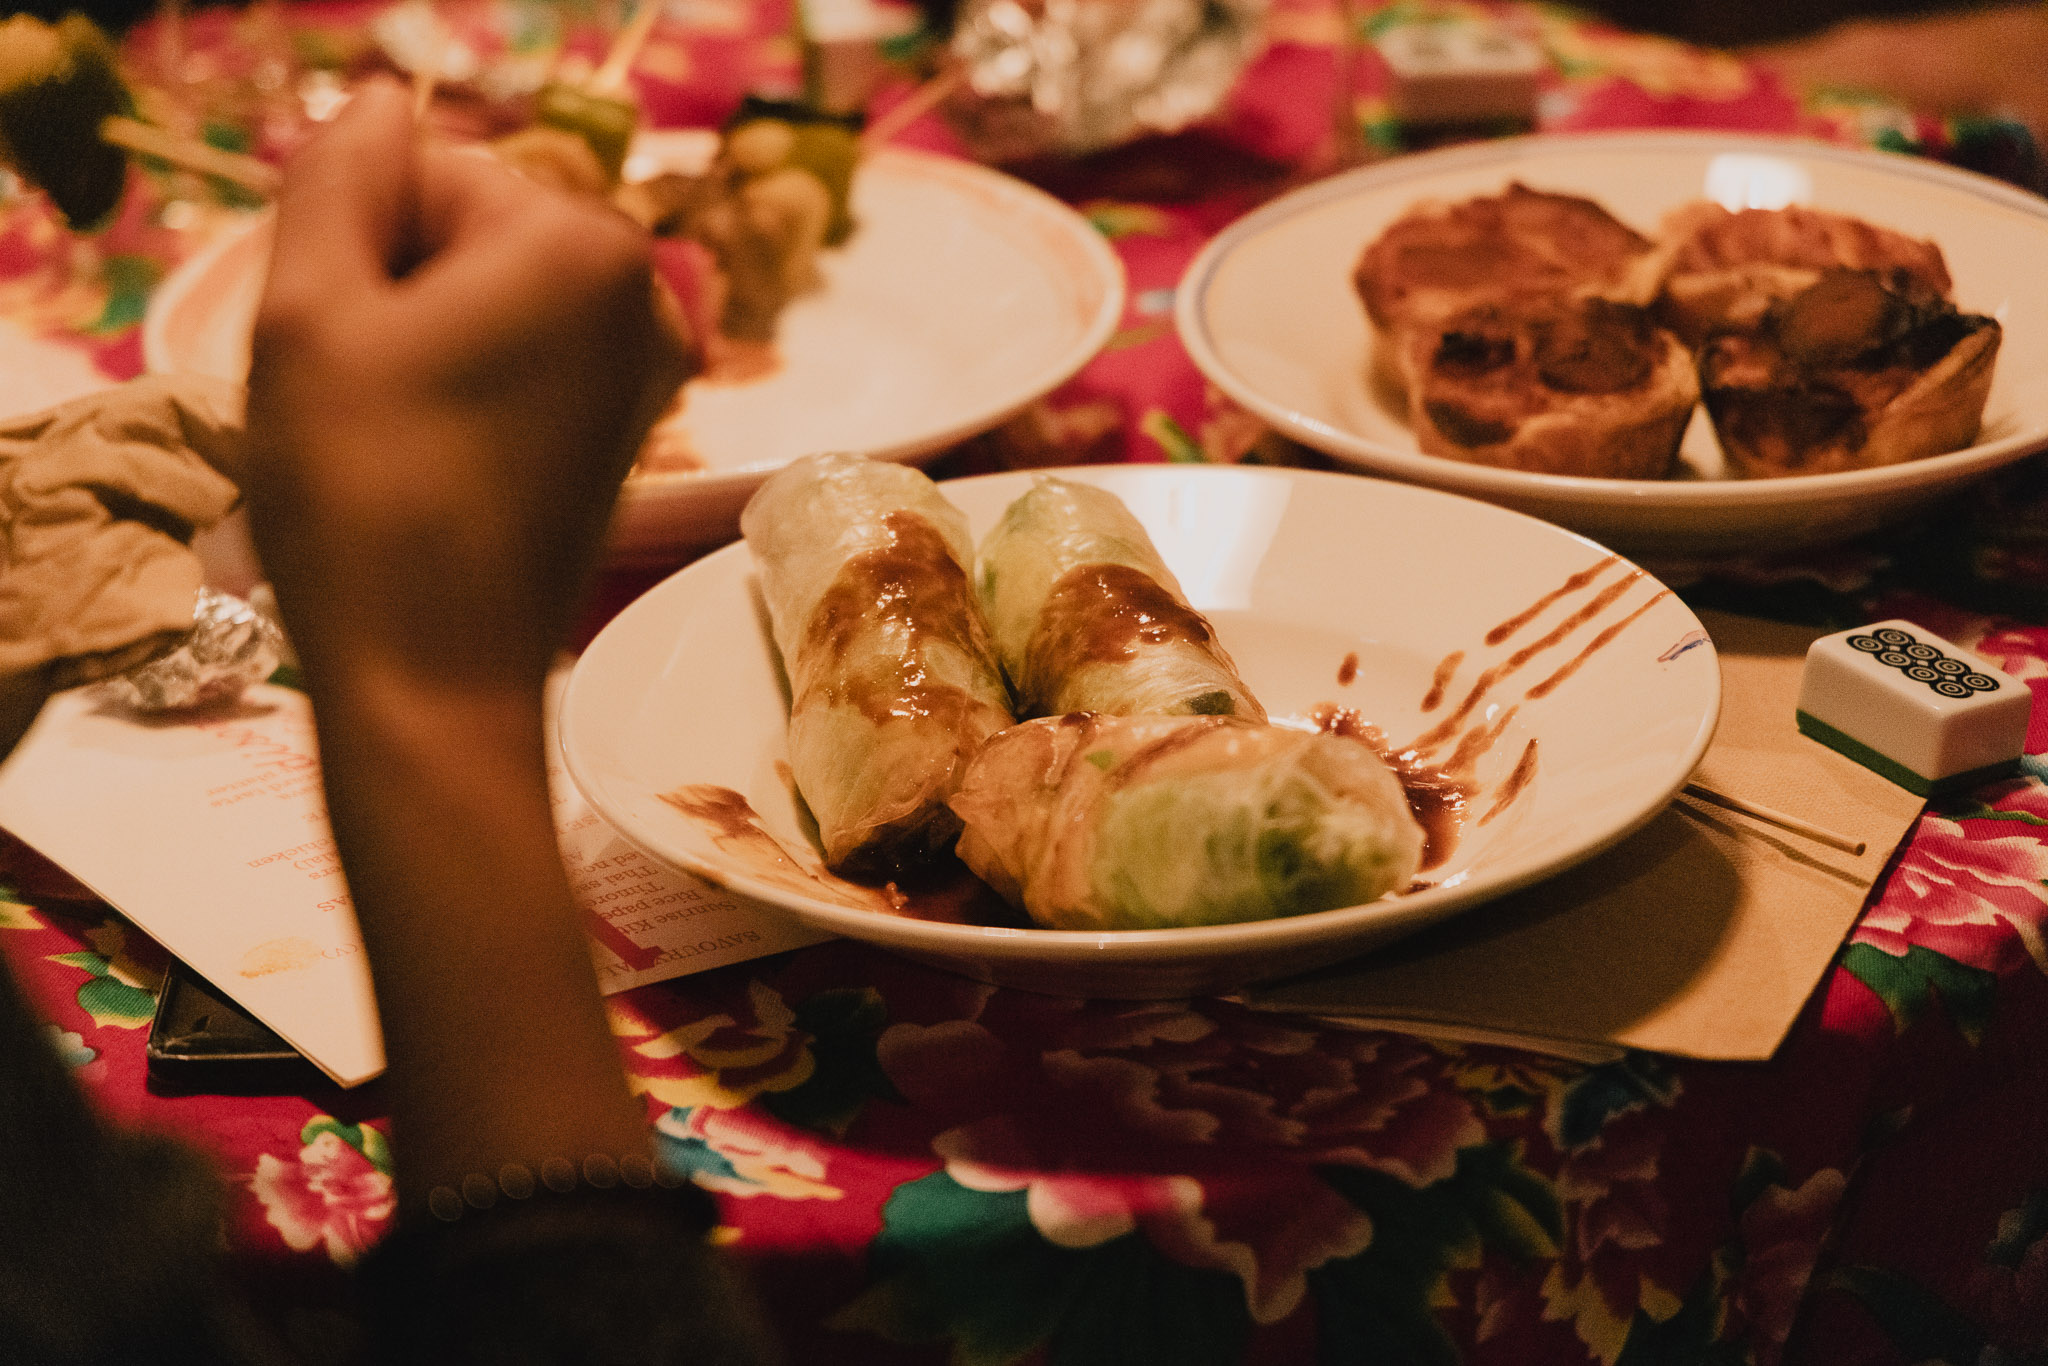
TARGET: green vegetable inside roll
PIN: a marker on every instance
(1107, 823)
(892, 685)
(58, 84)
(1086, 617)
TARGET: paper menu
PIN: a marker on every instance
(210, 834)
(649, 923)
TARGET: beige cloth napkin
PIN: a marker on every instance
(99, 500)
(1702, 934)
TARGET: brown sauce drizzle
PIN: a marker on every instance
(1442, 731)
(1446, 668)
(1525, 769)
(736, 828)
(1436, 799)
(1535, 609)
(911, 586)
(1474, 744)
(1348, 670)
(1543, 689)
(1136, 764)
(729, 814)
(1100, 613)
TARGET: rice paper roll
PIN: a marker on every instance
(1086, 617)
(893, 688)
(1091, 822)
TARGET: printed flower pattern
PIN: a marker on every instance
(1147, 1117)
(1270, 1256)
(741, 1153)
(718, 1060)
(1613, 1211)
(70, 1046)
(335, 1193)
(1981, 900)
(1781, 1232)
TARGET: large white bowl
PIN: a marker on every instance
(1269, 314)
(1299, 571)
(964, 295)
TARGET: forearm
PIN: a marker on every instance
(494, 1030)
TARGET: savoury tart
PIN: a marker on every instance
(1859, 369)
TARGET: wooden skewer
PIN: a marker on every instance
(914, 106)
(610, 78)
(257, 177)
(1778, 818)
(427, 74)
(424, 77)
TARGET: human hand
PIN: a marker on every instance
(452, 370)
(1986, 60)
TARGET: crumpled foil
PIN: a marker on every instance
(232, 645)
(1074, 76)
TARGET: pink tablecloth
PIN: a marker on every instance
(920, 1168)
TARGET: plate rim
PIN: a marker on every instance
(1486, 481)
(1127, 946)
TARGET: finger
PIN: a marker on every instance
(345, 214)
(500, 246)
(464, 194)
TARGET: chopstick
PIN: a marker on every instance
(611, 77)
(912, 107)
(1818, 834)
(427, 74)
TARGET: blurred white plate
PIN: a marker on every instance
(963, 295)
(1269, 314)
(1298, 570)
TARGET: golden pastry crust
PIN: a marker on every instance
(1850, 373)
(1579, 386)
(1723, 270)
(1440, 259)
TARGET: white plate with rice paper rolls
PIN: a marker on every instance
(1136, 731)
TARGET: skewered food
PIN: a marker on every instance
(1107, 823)
(58, 84)
(773, 198)
(604, 120)
(1085, 616)
(863, 566)
(1557, 386)
(65, 124)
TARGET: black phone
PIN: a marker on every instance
(199, 1041)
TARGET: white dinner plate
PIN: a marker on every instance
(1299, 571)
(1269, 314)
(963, 295)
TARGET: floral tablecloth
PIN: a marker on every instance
(920, 1168)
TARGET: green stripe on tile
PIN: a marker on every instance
(1894, 770)
(1865, 755)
